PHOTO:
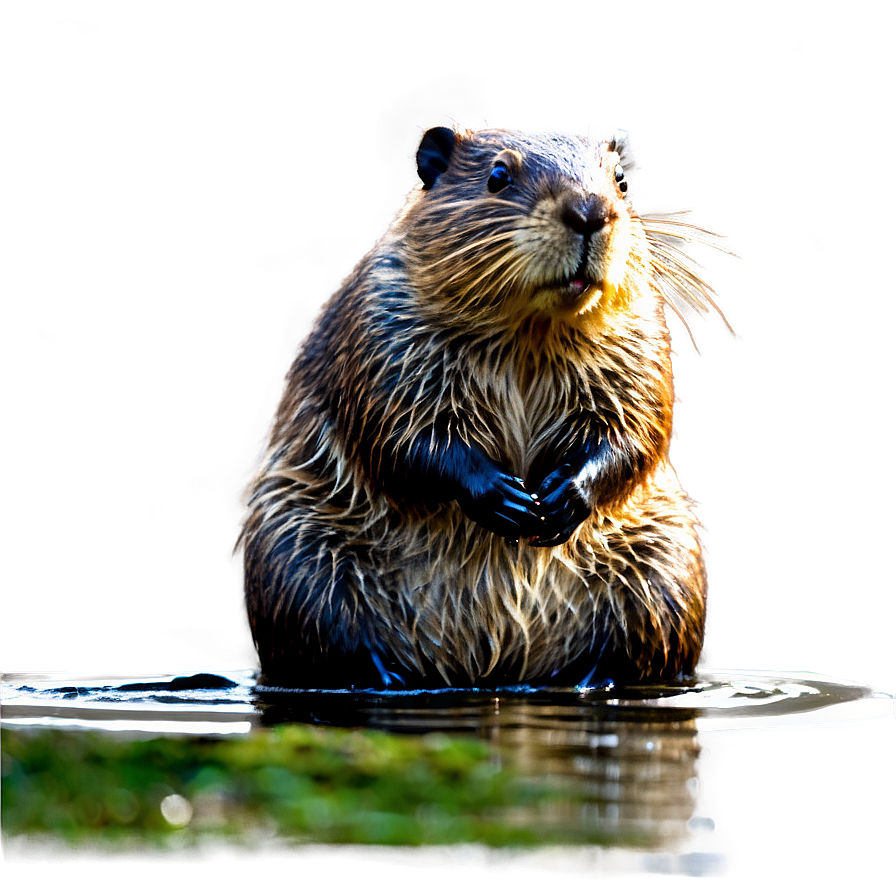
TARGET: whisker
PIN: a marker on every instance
(687, 237)
(512, 275)
(662, 218)
(681, 270)
(463, 230)
(698, 295)
(677, 312)
(657, 242)
(493, 268)
(491, 263)
(486, 242)
(676, 271)
(463, 234)
(682, 290)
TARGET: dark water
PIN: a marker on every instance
(649, 766)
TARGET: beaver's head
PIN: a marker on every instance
(511, 222)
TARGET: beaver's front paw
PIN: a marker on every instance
(501, 503)
(563, 505)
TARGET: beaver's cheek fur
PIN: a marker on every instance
(467, 481)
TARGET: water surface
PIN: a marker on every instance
(622, 770)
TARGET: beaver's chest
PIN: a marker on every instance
(520, 411)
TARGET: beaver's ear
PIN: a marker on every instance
(620, 143)
(434, 154)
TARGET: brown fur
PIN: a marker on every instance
(461, 311)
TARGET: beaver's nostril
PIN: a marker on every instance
(585, 214)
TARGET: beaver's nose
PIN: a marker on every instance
(585, 214)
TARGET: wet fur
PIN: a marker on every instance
(451, 348)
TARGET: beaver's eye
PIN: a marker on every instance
(620, 179)
(499, 178)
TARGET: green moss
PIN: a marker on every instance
(295, 782)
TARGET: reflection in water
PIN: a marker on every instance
(622, 763)
(632, 767)
(638, 779)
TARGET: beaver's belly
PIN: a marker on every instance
(447, 599)
(460, 600)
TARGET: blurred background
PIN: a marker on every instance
(183, 184)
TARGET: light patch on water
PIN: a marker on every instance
(716, 693)
(135, 725)
(877, 708)
(196, 704)
(176, 810)
(784, 676)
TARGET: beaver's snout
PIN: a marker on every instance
(585, 215)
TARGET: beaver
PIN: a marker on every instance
(467, 483)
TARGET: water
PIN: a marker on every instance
(233, 702)
(728, 774)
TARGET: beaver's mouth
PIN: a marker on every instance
(578, 283)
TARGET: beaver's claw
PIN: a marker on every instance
(563, 507)
(501, 503)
